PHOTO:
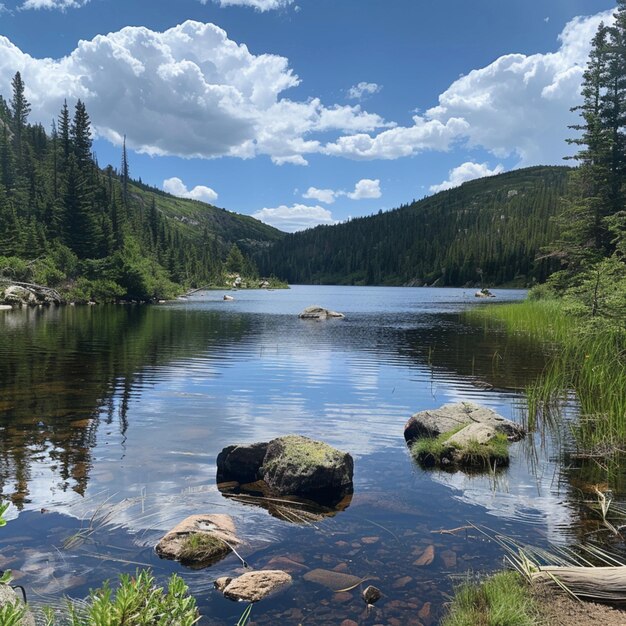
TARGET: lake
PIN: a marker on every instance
(112, 418)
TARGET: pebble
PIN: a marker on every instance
(424, 612)
(371, 594)
(370, 540)
(402, 582)
(342, 597)
(428, 556)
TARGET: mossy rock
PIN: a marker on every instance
(296, 465)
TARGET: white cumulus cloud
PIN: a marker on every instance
(519, 104)
(176, 187)
(321, 195)
(295, 217)
(356, 92)
(189, 91)
(259, 5)
(365, 188)
(464, 172)
(53, 4)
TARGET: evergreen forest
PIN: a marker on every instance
(487, 231)
(97, 234)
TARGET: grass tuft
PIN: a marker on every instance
(200, 547)
(501, 600)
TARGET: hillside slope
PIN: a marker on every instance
(487, 230)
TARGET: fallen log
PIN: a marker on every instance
(606, 584)
(41, 291)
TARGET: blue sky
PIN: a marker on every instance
(307, 111)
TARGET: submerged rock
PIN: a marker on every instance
(199, 540)
(462, 434)
(318, 313)
(335, 581)
(254, 586)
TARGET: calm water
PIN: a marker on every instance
(112, 418)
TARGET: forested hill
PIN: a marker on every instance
(94, 232)
(494, 227)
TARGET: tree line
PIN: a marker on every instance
(95, 231)
(486, 231)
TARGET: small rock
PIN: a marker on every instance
(402, 582)
(342, 568)
(254, 586)
(342, 597)
(286, 564)
(428, 556)
(331, 580)
(370, 540)
(240, 463)
(424, 612)
(215, 534)
(371, 594)
(348, 622)
(449, 558)
(319, 313)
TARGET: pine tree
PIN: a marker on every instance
(80, 134)
(20, 108)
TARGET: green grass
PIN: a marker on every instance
(200, 547)
(587, 357)
(433, 450)
(501, 600)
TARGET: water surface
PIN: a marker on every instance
(112, 419)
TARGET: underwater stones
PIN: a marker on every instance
(335, 581)
(255, 586)
(199, 540)
(290, 466)
(318, 313)
(461, 434)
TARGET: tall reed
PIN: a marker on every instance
(587, 357)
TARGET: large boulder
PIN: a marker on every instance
(462, 434)
(17, 296)
(254, 586)
(296, 465)
(199, 540)
(288, 466)
(241, 463)
(449, 417)
(319, 313)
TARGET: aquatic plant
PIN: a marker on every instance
(587, 359)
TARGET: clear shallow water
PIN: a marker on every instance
(121, 412)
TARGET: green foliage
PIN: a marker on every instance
(200, 547)
(501, 600)
(12, 614)
(136, 602)
(64, 219)
(485, 230)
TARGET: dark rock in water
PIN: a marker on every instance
(295, 465)
(435, 422)
(241, 463)
(289, 466)
(199, 540)
(254, 586)
(372, 594)
(319, 313)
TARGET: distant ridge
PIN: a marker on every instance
(488, 230)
